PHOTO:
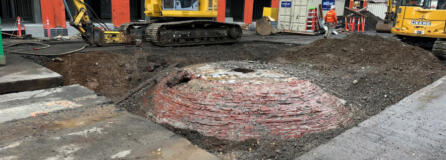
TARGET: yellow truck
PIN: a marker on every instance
(418, 18)
(170, 23)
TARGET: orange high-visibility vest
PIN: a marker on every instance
(331, 17)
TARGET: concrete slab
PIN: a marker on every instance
(99, 132)
(10, 26)
(27, 104)
(22, 75)
(414, 128)
(37, 29)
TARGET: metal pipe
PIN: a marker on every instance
(68, 10)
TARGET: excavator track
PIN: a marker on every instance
(439, 48)
(195, 32)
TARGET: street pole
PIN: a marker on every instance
(2, 55)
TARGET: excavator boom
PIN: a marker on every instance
(386, 25)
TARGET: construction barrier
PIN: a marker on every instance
(355, 24)
(355, 20)
(19, 26)
(2, 55)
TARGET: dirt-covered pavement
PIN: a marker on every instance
(369, 72)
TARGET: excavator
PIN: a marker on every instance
(417, 19)
(169, 23)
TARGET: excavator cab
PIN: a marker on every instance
(189, 5)
(420, 18)
(181, 8)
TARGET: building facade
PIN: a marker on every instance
(40, 17)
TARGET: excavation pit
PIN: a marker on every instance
(250, 102)
(243, 70)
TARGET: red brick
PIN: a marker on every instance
(283, 108)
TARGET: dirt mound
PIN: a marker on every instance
(359, 49)
(109, 74)
(371, 71)
(100, 72)
(363, 49)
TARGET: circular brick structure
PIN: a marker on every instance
(233, 101)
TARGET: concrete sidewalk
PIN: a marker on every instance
(414, 128)
(72, 123)
(22, 75)
(22, 105)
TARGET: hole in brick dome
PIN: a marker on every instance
(180, 78)
(243, 70)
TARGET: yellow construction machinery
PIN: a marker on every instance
(170, 23)
(389, 20)
(417, 18)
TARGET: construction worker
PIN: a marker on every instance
(331, 20)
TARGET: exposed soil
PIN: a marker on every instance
(369, 72)
(101, 72)
(107, 73)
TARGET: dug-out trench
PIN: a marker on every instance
(360, 69)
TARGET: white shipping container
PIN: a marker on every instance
(293, 14)
(377, 9)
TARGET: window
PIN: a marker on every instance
(419, 3)
(181, 4)
(441, 4)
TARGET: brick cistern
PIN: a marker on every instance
(237, 103)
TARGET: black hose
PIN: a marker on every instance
(67, 7)
(45, 46)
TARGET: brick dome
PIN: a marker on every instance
(233, 101)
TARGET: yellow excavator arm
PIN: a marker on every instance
(80, 19)
(386, 25)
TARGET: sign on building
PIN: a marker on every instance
(286, 4)
(326, 4)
